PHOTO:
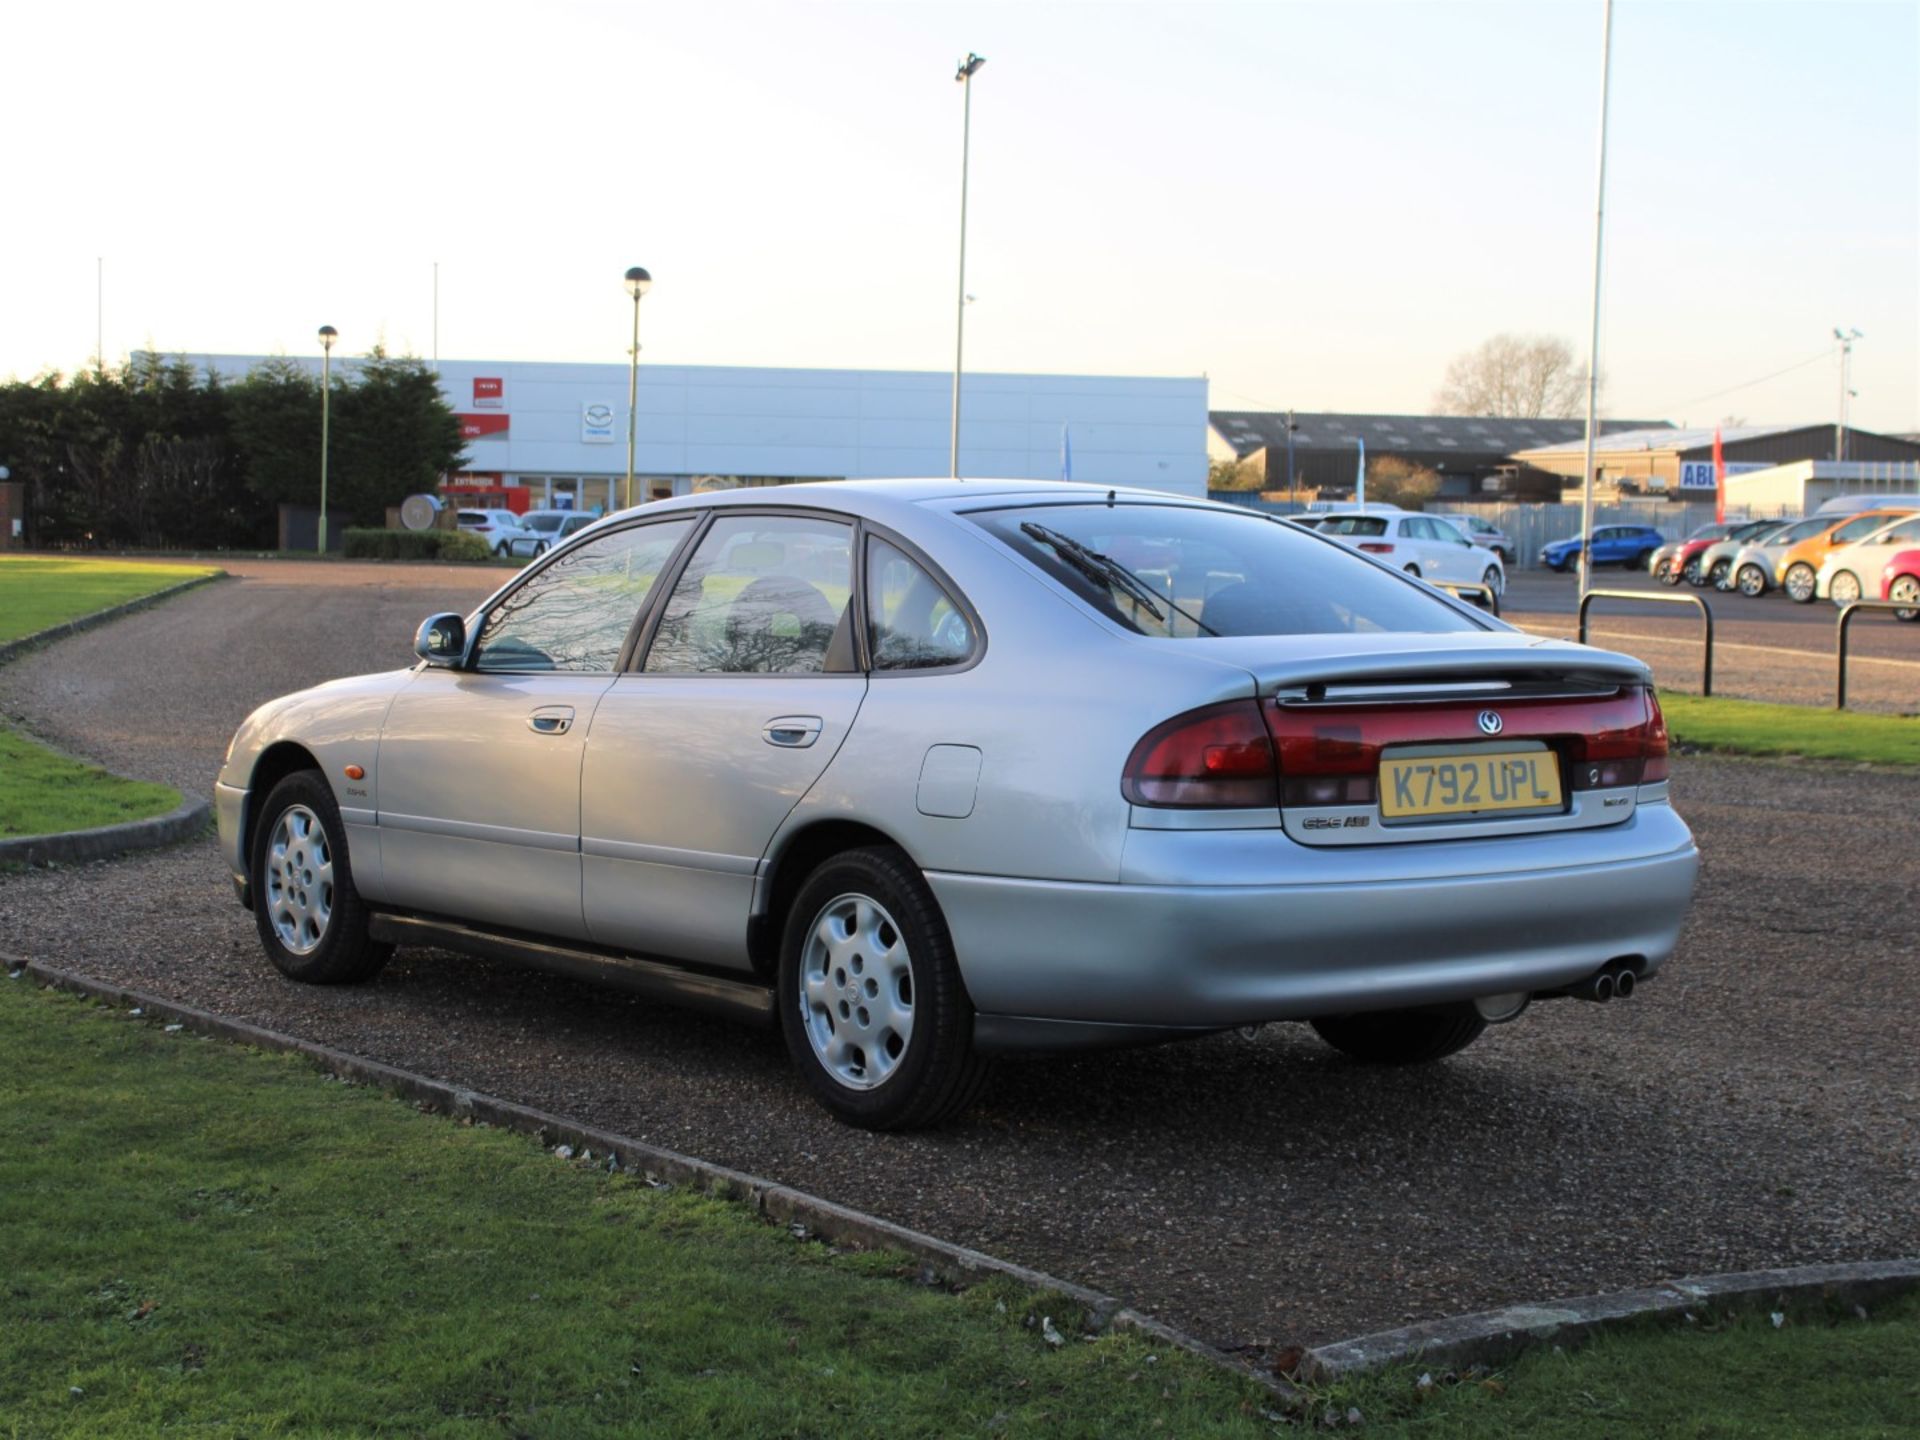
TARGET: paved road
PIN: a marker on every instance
(1764, 649)
(1754, 1106)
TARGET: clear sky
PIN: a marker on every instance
(1313, 204)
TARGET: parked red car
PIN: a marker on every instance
(1900, 581)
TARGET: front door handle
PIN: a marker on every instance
(551, 720)
(792, 732)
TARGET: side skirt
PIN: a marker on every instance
(717, 995)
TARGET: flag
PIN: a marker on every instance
(1719, 480)
(1066, 452)
(1360, 484)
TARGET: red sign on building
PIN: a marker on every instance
(489, 393)
(478, 427)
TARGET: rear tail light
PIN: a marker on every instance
(1217, 757)
(1245, 754)
(1375, 549)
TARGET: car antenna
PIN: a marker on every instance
(1110, 495)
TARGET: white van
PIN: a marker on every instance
(1854, 504)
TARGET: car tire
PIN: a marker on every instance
(866, 954)
(1905, 589)
(312, 921)
(1666, 574)
(500, 550)
(1642, 561)
(1718, 576)
(1402, 1037)
(1844, 588)
(1495, 581)
(1413, 570)
(1751, 581)
(1798, 582)
(1692, 573)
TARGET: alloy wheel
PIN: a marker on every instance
(856, 991)
(1799, 583)
(1905, 590)
(299, 880)
(1751, 581)
(1844, 588)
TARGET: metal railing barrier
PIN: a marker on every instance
(1706, 615)
(1841, 628)
(1485, 596)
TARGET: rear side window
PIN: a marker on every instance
(916, 625)
(762, 595)
(1181, 572)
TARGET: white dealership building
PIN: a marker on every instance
(560, 430)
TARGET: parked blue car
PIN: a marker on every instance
(1628, 545)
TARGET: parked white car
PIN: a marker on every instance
(546, 529)
(1429, 546)
(499, 528)
(1847, 574)
(1754, 561)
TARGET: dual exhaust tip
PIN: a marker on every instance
(1615, 980)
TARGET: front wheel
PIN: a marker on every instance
(1693, 574)
(1402, 1037)
(311, 919)
(1667, 574)
(1799, 583)
(871, 1002)
(1905, 590)
(1844, 588)
(1751, 581)
(1495, 580)
(1642, 561)
(1717, 576)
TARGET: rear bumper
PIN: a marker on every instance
(1210, 955)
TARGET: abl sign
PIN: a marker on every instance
(1698, 474)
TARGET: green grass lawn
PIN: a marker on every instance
(198, 1238)
(1753, 728)
(37, 591)
(42, 792)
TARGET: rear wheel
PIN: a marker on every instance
(1642, 561)
(1495, 581)
(1905, 590)
(871, 1002)
(312, 921)
(1413, 570)
(1751, 581)
(1798, 583)
(1844, 588)
(1402, 1037)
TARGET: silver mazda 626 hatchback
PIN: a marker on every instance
(926, 770)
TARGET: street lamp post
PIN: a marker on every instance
(327, 336)
(1593, 334)
(638, 283)
(1846, 339)
(1293, 495)
(965, 76)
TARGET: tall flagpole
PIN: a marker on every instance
(1593, 336)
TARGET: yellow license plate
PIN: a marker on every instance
(1468, 783)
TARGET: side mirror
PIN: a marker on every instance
(441, 639)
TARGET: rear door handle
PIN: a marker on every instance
(551, 720)
(792, 732)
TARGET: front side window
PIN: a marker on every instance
(916, 625)
(763, 595)
(1858, 529)
(574, 613)
(1180, 572)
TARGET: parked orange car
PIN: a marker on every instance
(1799, 567)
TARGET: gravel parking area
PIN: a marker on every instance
(1754, 1107)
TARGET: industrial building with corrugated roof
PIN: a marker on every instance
(1672, 462)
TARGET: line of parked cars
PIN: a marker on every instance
(1855, 548)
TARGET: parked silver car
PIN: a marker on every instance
(925, 770)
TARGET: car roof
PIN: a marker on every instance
(877, 499)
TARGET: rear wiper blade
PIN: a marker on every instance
(1104, 569)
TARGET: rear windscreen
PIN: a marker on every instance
(1174, 571)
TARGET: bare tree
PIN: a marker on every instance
(1525, 377)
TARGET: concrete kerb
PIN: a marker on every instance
(100, 617)
(941, 1261)
(185, 821)
(1494, 1337)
